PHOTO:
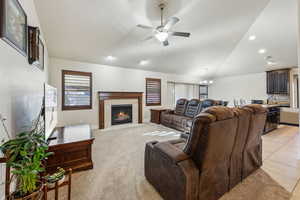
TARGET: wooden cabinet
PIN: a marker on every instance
(273, 119)
(155, 115)
(72, 148)
(278, 82)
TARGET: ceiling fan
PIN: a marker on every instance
(162, 32)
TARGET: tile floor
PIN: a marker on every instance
(281, 155)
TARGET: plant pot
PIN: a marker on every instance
(36, 195)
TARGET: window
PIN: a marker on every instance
(203, 91)
(153, 92)
(176, 90)
(76, 90)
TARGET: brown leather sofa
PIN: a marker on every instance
(224, 148)
(181, 118)
(185, 111)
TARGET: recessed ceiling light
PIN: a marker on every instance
(252, 37)
(262, 51)
(144, 62)
(111, 58)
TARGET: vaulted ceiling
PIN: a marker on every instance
(89, 31)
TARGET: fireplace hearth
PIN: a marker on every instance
(121, 114)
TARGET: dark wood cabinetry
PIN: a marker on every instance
(278, 82)
(273, 119)
(155, 115)
(72, 148)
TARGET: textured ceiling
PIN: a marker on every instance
(89, 31)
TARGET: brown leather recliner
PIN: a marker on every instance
(183, 114)
(201, 167)
(247, 152)
(236, 161)
(252, 155)
(206, 104)
(167, 116)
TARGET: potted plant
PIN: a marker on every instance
(26, 154)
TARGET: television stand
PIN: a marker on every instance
(72, 148)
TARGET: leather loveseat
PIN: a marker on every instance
(224, 148)
(181, 118)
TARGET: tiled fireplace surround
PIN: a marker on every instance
(107, 99)
(109, 103)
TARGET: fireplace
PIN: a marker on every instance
(121, 114)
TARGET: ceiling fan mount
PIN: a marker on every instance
(162, 32)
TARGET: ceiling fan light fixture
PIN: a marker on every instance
(162, 36)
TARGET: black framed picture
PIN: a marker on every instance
(33, 44)
(13, 25)
(41, 62)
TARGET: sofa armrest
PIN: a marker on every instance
(171, 152)
(185, 136)
(168, 112)
(173, 180)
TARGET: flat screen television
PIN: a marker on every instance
(50, 109)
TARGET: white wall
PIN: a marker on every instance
(107, 78)
(293, 87)
(248, 87)
(299, 45)
(21, 84)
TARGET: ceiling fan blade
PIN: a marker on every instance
(181, 34)
(171, 22)
(166, 43)
(149, 38)
(144, 26)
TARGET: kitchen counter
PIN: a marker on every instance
(290, 109)
(271, 105)
(289, 116)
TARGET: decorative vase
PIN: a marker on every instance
(52, 185)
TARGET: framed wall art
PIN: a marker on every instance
(41, 61)
(33, 44)
(13, 25)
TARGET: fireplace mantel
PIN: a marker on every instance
(119, 95)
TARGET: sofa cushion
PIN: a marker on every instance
(205, 104)
(180, 106)
(192, 108)
(166, 118)
(180, 120)
(220, 112)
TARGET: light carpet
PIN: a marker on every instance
(118, 173)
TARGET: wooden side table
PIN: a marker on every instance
(67, 182)
(155, 115)
(72, 148)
